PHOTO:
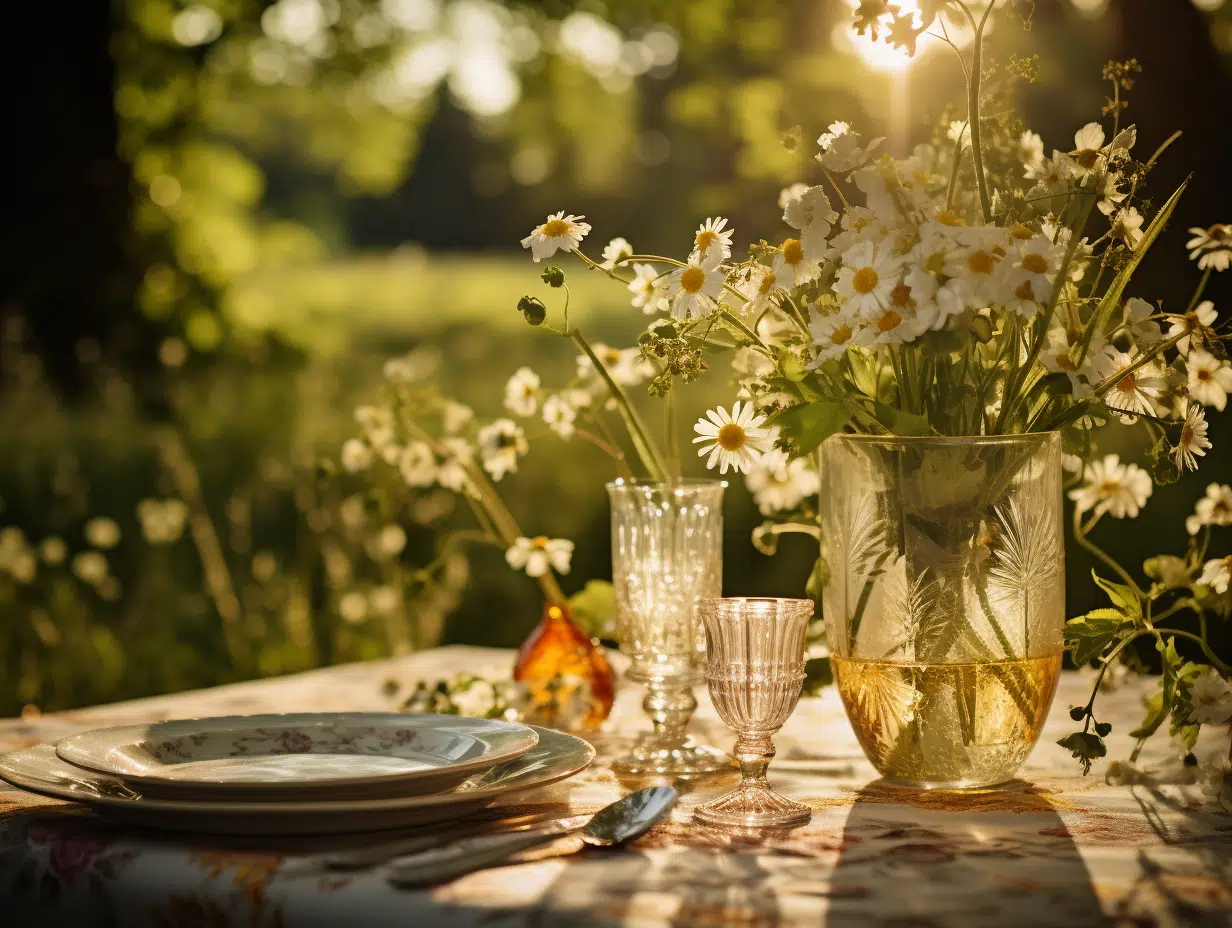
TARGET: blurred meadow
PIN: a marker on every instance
(231, 213)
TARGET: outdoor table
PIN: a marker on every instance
(1051, 848)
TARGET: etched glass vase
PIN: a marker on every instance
(667, 554)
(944, 599)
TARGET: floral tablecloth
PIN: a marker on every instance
(1053, 848)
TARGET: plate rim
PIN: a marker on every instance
(307, 807)
(68, 749)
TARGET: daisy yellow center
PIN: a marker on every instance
(947, 217)
(864, 280)
(841, 335)
(1220, 234)
(906, 242)
(1024, 291)
(1204, 375)
(705, 239)
(793, 251)
(900, 296)
(1187, 434)
(692, 279)
(731, 437)
(1066, 363)
(1127, 384)
(611, 356)
(1018, 230)
(889, 321)
(539, 541)
(980, 262)
(555, 227)
(1034, 263)
(767, 284)
(1109, 488)
(935, 263)
(1087, 157)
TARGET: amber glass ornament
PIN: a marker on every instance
(570, 683)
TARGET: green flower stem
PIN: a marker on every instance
(973, 106)
(1080, 536)
(1146, 358)
(1193, 300)
(982, 594)
(651, 459)
(953, 185)
(670, 438)
(735, 323)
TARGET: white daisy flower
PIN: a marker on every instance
(1138, 322)
(866, 279)
(974, 270)
(1030, 274)
(1211, 247)
(452, 471)
(162, 520)
(810, 210)
(1088, 154)
(1053, 178)
(1209, 694)
(522, 392)
(763, 284)
(557, 232)
(804, 260)
(736, 440)
(841, 150)
(501, 443)
(648, 288)
(1111, 194)
(1192, 442)
(455, 416)
(695, 287)
(355, 456)
(1119, 490)
(103, 533)
(540, 554)
(1195, 324)
(1030, 151)
(1215, 508)
(417, 464)
(834, 334)
(1137, 392)
(778, 484)
(626, 366)
(1058, 357)
(1210, 379)
(712, 238)
(1128, 226)
(559, 414)
(614, 252)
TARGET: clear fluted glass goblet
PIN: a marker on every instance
(667, 554)
(755, 670)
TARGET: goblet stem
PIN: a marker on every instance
(669, 708)
(668, 750)
(753, 753)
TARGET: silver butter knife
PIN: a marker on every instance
(623, 820)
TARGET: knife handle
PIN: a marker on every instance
(466, 856)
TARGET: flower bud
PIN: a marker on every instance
(663, 329)
(981, 329)
(553, 276)
(533, 310)
(1103, 728)
(1078, 713)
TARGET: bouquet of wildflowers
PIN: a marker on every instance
(981, 285)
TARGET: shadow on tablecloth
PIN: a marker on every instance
(990, 857)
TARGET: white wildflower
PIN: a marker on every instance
(1088, 155)
(778, 484)
(1120, 490)
(736, 440)
(1210, 695)
(500, 444)
(1211, 248)
(841, 150)
(453, 470)
(695, 287)
(417, 464)
(867, 277)
(1192, 442)
(522, 392)
(557, 232)
(390, 542)
(1215, 508)
(832, 335)
(649, 289)
(614, 252)
(355, 456)
(540, 554)
(1196, 324)
(559, 414)
(1210, 379)
(625, 366)
(713, 241)
(1128, 226)
(455, 416)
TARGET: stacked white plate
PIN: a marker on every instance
(308, 773)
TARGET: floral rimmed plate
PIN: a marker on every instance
(327, 755)
(38, 769)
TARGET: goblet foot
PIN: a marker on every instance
(669, 757)
(753, 805)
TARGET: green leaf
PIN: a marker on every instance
(819, 576)
(900, 422)
(1086, 746)
(863, 373)
(818, 674)
(1156, 711)
(594, 608)
(1121, 595)
(809, 424)
(1089, 635)
(1169, 572)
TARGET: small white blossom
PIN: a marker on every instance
(452, 471)
(1088, 155)
(1030, 151)
(355, 456)
(1138, 322)
(778, 484)
(1215, 508)
(417, 464)
(625, 366)
(614, 252)
(1211, 248)
(1137, 392)
(102, 532)
(1210, 379)
(501, 443)
(649, 289)
(1120, 490)
(1194, 324)
(867, 278)
(557, 232)
(833, 335)
(559, 414)
(1128, 226)
(1211, 697)
(712, 242)
(787, 194)
(1192, 443)
(736, 440)
(1217, 574)
(522, 392)
(694, 288)
(841, 150)
(540, 554)
(455, 416)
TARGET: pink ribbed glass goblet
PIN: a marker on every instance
(755, 668)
